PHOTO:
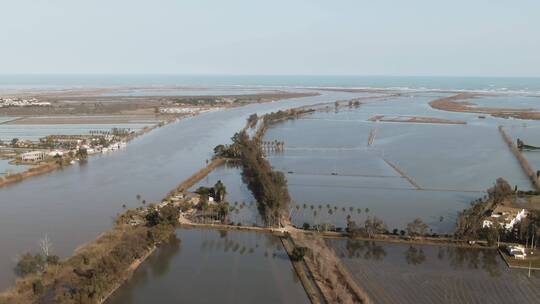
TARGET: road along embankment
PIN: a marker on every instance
(523, 162)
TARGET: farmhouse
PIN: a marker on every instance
(504, 217)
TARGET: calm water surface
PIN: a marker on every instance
(403, 273)
(77, 203)
(210, 266)
(333, 174)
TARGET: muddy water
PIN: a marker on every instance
(401, 273)
(209, 266)
(77, 203)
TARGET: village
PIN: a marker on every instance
(20, 102)
(56, 151)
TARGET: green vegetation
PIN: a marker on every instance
(268, 187)
(217, 192)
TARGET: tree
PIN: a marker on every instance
(417, 228)
(374, 226)
(82, 153)
(169, 214)
(14, 142)
(490, 235)
(298, 253)
(500, 190)
(45, 245)
(220, 191)
(153, 218)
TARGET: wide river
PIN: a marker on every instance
(74, 205)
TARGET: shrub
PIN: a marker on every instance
(298, 253)
(29, 263)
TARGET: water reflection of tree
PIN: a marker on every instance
(488, 260)
(238, 244)
(160, 261)
(369, 250)
(415, 256)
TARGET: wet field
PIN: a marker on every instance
(404, 273)
(335, 171)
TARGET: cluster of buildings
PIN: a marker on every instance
(185, 110)
(60, 145)
(504, 217)
(20, 102)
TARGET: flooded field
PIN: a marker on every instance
(209, 266)
(403, 273)
(243, 208)
(75, 204)
(339, 164)
(6, 167)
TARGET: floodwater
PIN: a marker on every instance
(404, 273)
(76, 204)
(210, 266)
(333, 173)
(242, 204)
(6, 167)
(186, 92)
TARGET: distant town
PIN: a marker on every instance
(21, 102)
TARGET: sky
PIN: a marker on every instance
(278, 37)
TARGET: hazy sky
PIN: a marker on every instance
(360, 37)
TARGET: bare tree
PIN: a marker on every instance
(45, 245)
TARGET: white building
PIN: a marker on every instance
(33, 156)
(56, 153)
(504, 217)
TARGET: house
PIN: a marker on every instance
(55, 153)
(33, 156)
(505, 217)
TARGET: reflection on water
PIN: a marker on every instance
(209, 266)
(76, 204)
(405, 273)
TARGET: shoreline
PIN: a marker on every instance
(459, 103)
(41, 169)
